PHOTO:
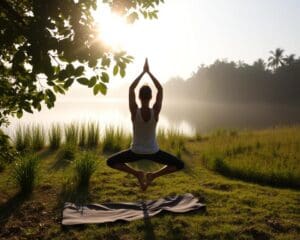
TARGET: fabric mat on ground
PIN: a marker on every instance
(128, 211)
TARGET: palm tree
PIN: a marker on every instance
(289, 60)
(260, 64)
(276, 59)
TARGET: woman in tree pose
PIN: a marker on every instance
(144, 145)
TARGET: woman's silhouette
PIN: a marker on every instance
(144, 145)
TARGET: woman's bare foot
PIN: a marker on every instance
(141, 178)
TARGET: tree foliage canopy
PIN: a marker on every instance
(47, 45)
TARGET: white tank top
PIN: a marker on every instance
(144, 134)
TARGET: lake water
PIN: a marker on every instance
(187, 117)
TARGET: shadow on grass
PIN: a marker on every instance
(75, 193)
(11, 206)
(149, 230)
(45, 153)
(61, 161)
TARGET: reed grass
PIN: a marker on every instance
(22, 138)
(85, 166)
(82, 142)
(114, 139)
(25, 173)
(55, 136)
(71, 133)
(38, 139)
(93, 135)
(172, 140)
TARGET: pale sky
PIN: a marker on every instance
(191, 32)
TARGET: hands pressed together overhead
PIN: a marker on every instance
(146, 66)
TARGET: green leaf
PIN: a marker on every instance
(122, 65)
(51, 95)
(144, 14)
(116, 69)
(70, 69)
(69, 82)
(59, 89)
(105, 77)
(79, 71)
(62, 75)
(27, 108)
(100, 87)
(19, 113)
(96, 89)
(122, 72)
(93, 81)
(39, 106)
(103, 88)
(83, 81)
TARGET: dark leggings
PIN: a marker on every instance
(162, 157)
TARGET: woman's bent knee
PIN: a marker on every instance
(180, 165)
(110, 162)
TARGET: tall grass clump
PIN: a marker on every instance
(71, 133)
(38, 139)
(172, 140)
(25, 173)
(55, 136)
(67, 152)
(114, 138)
(22, 139)
(93, 135)
(82, 136)
(85, 166)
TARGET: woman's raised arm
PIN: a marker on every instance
(132, 102)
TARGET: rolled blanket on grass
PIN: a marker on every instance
(128, 211)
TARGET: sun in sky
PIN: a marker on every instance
(114, 31)
(159, 40)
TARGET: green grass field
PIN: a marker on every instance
(249, 181)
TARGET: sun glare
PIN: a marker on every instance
(114, 31)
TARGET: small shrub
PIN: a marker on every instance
(55, 136)
(67, 152)
(93, 135)
(85, 166)
(37, 137)
(71, 134)
(7, 152)
(25, 173)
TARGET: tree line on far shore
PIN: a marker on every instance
(274, 81)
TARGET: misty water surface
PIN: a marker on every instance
(187, 117)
